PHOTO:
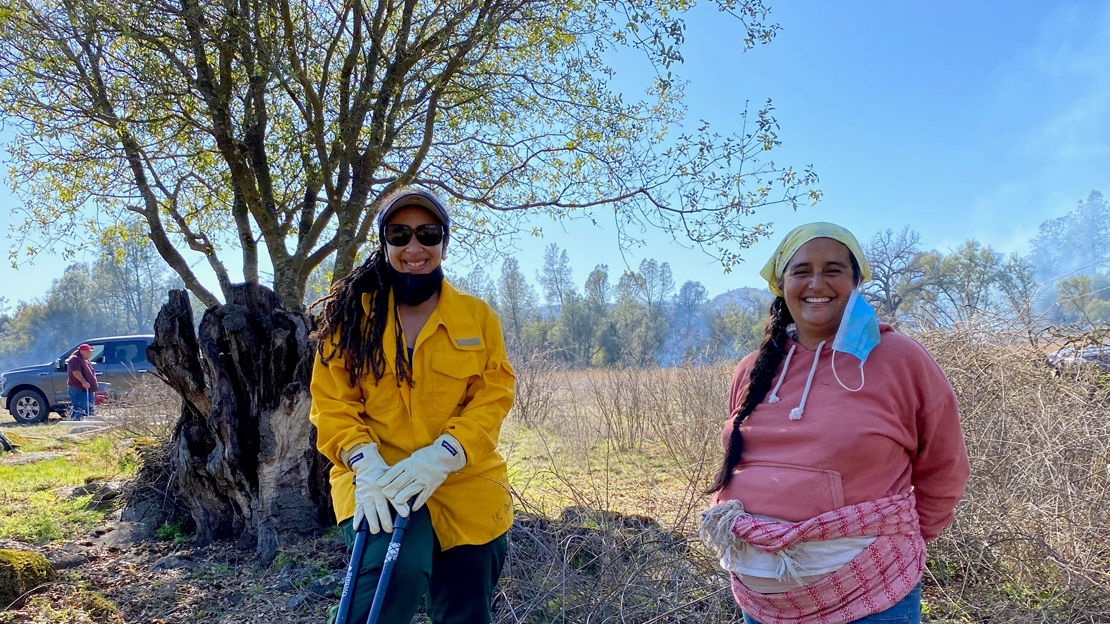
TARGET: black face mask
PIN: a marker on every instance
(415, 288)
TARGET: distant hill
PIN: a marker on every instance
(741, 297)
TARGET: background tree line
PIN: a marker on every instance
(1063, 280)
(643, 319)
(120, 292)
(638, 317)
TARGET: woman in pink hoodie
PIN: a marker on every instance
(833, 481)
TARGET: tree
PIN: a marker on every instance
(599, 293)
(896, 271)
(642, 313)
(1084, 299)
(599, 296)
(477, 283)
(962, 284)
(1077, 241)
(738, 329)
(319, 281)
(517, 301)
(72, 310)
(1018, 282)
(133, 277)
(271, 131)
(688, 306)
(289, 120)
(574, 329)
(556, 277)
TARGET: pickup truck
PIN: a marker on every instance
(30, 393)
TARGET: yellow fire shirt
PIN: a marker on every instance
(463, 386)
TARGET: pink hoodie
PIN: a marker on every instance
(901, 430)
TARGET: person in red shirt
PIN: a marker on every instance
(81, 382)
(833, 481)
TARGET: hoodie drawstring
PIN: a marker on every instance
(796, 413)
(774, 398)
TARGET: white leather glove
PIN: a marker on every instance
(423, 472)
(370, 502)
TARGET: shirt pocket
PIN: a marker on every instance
(452, 372)
(787, 491)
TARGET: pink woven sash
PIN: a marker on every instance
(875, 580)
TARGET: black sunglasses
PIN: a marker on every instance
(428, 235)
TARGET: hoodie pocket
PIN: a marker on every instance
(786, 491)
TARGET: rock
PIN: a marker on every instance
(19, 459)
(21, 571)
(121, 534)
(84, 490)
(285, 584)
(171, 562)
(148, 512)
(235, 599)
(83, 426)
(132, 558)
(287, 569)
(68, 556)
(105, 496)
(66, 562)
(294, 603)
(325, 585)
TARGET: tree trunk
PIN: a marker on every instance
(243, 456)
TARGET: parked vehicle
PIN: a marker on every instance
(30, 393)
(1099, 355)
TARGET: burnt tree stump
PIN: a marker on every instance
(243, 452)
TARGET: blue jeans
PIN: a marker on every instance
(905, 611)
(80, 401)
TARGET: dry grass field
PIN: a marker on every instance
(1031, 541)
(607, 469)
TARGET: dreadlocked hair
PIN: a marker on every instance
(361, 340)
(771, 353)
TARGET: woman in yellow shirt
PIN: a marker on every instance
(409, 389)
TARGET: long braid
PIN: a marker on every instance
(771, 353)
(361, 339)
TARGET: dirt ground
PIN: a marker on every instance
(155, 582)
(149, 579)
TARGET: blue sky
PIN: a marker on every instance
(962, 120)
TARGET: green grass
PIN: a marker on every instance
(173, 532)
(40, 437)
(34, 498)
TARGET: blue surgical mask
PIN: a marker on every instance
(857, 335)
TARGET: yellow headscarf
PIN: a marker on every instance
(772, 271)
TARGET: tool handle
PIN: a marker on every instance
(352, 573)
(391, 555)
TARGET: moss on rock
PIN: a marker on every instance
(21, 571)
(100, 609)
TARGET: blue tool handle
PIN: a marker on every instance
(391, 554)
(352, 573)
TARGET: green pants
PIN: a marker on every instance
(458, 583)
